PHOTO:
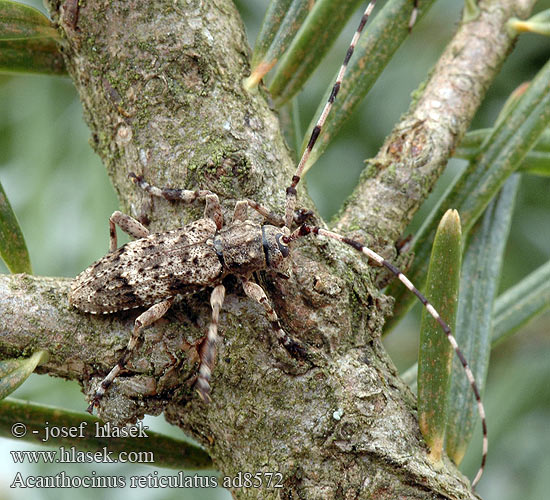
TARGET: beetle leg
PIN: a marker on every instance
(152, 314)
(294, 348)
(240, 212)
(269, 216)
(209, 347)
(128, 224)
(213, 210)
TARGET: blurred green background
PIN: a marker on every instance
(63, 198)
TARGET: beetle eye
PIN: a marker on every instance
(283, 247)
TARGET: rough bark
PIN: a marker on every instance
(160, 84)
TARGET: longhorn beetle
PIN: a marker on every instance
(156, 267)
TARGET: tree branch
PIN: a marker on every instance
(400, 177)
(325, 428)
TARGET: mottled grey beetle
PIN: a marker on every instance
(153, 269)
